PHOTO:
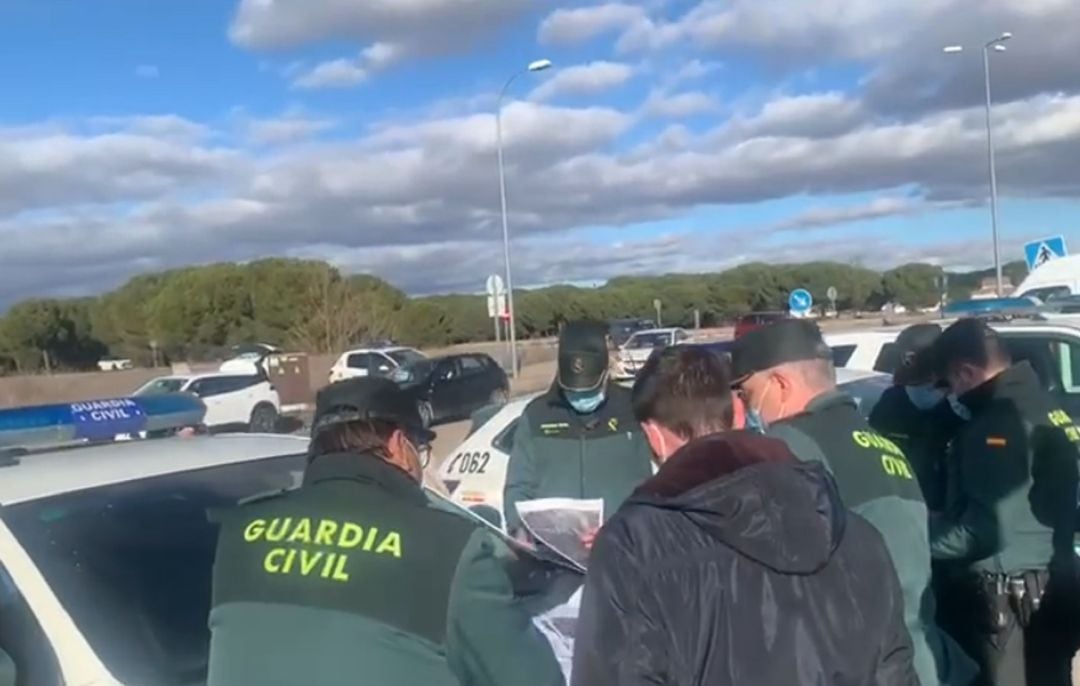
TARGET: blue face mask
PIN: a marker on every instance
(585, 402)
(924, 397)
(754, 422)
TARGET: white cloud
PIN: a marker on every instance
(568, 26)
(680, 105)
(286, 129)
(338, 73)
(129, 200)
(147, 71)
(584, 79)
(393, 30)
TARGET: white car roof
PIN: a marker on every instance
(391, 349)
(670, 329)
(43, 474)
(847, 375)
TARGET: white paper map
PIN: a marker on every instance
(560, 524)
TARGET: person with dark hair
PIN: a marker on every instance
(579, 439)
(784, 372)
(358, 576)
(735, 563)
(1009, 520)
(915, 413)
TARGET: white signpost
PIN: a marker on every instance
(496, 300)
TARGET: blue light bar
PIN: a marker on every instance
(98, 419)
(973, 308)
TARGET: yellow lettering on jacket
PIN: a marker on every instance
(314, 548)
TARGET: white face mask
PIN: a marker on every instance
(924, 396)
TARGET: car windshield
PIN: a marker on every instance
(867, 391)
(405, 357)
(159, 386)
(648, 340)
(414, 371)
(132, 562)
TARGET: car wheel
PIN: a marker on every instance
(499, 396)
(427, 414)
(263, 419)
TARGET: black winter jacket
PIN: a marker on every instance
(736, 564)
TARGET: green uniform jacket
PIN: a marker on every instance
(349, 580)
(923, 435)
(559, 453)
(876, 482)
(1013, 505)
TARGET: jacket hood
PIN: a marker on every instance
(749, 493)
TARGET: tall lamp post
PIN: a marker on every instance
(995, 45)
(538, 65)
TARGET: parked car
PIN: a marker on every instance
(372, 362)
(620, 330)
(755, 320)
(475, 473)
(635, 352)
(454, 386)
(106, 551)
(233, 401)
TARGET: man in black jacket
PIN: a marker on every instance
(915, 414)
(785, 374)
(1008, 524)
(735, 564)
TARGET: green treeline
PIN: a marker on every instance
(195, 313)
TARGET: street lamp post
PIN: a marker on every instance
(538, 65)
(997, 45)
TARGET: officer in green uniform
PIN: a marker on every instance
(1009, 520)
(357, 577)
(580, 439)
(915, 413)
(784, 373)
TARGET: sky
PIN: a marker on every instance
(669, 136)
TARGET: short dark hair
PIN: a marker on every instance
(687, 389)
(969, 341)
(360, 436)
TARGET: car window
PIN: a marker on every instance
(23, 640)
(641, 341)
(1068, 359)
(504, 441)
(1043, 353)
(383, 364)
(219, 385)
(867, 392)
(471, 365)
(159, 386)
(403, 357)
(888, 359)
(1048, 293)
(841, 354)
(131, 562)
(681, 336)
(358, 361)
(445, 371)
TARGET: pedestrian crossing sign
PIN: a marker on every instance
(1038, 253)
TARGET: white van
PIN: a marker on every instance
(1054, 279)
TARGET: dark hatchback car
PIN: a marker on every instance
(454, 386)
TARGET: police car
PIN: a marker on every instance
(475, 473)
(106, 550)
(1052, 349)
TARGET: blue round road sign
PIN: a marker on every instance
(800, 301)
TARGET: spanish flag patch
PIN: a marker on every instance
(996, 441)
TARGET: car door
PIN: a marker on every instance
(476, 384)
(1055, 357)
(358, 365)
(381, 365)
(446, 389)
(219, 395)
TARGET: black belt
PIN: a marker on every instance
(1019, 593)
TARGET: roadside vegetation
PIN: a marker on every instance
(194, 313)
